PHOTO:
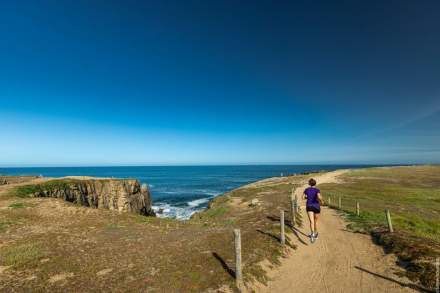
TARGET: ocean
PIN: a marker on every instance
(180, 191)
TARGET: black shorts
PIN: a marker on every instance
(313, 209)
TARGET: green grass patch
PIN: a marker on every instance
(30, 189)
(418, 226)
(27, 190)
(144, 219)
(113, 226)
(215, 212)
(19, 255)
(17, 205)
(5, 224)
(195, 276)
(20, 205)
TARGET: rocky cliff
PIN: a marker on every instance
(124, 195)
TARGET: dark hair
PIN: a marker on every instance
(312, 182)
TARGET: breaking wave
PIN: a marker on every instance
(179, 211)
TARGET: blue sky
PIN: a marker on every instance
(227, 82)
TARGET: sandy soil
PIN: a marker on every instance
(339, 261)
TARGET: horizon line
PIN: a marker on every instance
(215, 165)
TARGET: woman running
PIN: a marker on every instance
(313, 208)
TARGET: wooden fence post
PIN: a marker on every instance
(237, 242)
(340, 203)
(283, 236)
(329, 201)
(358, 211)
(390, 224)
(292, 212)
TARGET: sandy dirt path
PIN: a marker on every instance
(339, 261)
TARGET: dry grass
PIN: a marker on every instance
(51, 245)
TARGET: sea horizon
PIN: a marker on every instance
(214, 165)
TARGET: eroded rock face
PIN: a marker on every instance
(124, 195)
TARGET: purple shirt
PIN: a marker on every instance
(312, 197)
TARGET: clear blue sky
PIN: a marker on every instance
(208, 82)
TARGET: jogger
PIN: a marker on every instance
(313, 208)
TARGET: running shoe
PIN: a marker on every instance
(316, 235)
(312, 238)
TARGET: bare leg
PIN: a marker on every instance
(312, 221)
(316, 222)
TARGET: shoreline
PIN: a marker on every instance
(177, 193)
(138, 243)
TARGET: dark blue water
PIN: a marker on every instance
(179, 191)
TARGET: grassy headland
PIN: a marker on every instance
(47, 244)
(51, 245)
(412, 194)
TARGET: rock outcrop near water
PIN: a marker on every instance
(123, 195)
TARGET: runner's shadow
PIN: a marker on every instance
(300, 232)
(224, 264)
(408, 285)
(295, 232)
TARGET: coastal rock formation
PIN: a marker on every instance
(123, 195)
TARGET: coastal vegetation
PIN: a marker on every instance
(52, 245)
(21, 255)
(412, 194)
(29, 190)
(80, 249)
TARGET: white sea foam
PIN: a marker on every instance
(208, 192)
(166, 210)
(182, 210)
(197, 202)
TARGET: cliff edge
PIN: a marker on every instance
(123, 195)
